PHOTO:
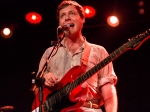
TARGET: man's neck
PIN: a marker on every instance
(73, 44)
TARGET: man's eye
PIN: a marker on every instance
(62, 15)
(72, 13)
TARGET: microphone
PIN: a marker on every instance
(61, 29)
(65, 27)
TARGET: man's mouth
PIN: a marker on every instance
(69, 25)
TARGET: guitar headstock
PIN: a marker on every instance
(137, 41)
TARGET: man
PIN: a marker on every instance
(75, 50)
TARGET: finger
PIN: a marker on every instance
(54, 79)
(50, 80)
(49, 83)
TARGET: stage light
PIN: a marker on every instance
(113, 21)
(6, 33)
(141, 3)
(141, 11)
(141, 7)
(33, 18)
(89, 11)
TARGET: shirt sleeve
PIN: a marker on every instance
(43, 60)
(106, 74)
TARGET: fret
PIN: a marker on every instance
(90, 72)
(74, 84)
(79, 80)
(102, 63)
(112, 56)
(84, 76)
(109, 59)
(67, 89)
(98, 67)
(59, 95)
(62, 92)
(105, 61)
(94, 69)
(56, 97)
(117, 52)
(121, 49)
(52, 101)
(46, 105)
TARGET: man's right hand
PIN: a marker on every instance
(50, 79)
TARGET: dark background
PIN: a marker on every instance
(20, 55)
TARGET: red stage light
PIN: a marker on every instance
(33, 18)
(89, 11)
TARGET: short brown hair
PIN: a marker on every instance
(65, 3)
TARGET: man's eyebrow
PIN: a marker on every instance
(67, 12)
(62, 13)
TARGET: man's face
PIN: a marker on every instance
(69, 15)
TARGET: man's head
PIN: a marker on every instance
(71, 13)
(65, 3)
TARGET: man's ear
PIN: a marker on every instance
(83, 20)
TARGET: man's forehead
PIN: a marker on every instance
(68, 9)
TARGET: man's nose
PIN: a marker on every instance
(67, 17)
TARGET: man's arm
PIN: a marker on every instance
(110, 97)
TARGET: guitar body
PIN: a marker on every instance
(70, 102)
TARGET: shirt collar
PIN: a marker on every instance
(82, 47)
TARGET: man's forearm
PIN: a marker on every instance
(110, 98)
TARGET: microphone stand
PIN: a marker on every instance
(39, 81)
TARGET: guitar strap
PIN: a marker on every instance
(85, 54)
